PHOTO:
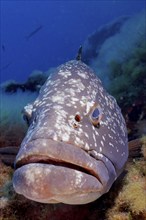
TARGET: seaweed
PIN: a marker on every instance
(130, 203)
(128, 78)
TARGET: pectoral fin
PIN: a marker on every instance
(8, 155)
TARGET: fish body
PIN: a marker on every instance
(76, 144)
(34, 32)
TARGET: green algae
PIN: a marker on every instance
(128, 78)
(130, 203)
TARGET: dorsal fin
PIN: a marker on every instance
(79, 54)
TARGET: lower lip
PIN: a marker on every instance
(46, 182)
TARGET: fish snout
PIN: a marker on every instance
(65, 173)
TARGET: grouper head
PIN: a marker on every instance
(76, 144)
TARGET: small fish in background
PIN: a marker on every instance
(5, 66)
(3, 48)
(35, 31)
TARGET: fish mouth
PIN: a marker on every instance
(48, 171)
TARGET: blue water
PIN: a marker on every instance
(65, 26)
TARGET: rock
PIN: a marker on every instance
(33, 83)
(114, 42)
(94, 42)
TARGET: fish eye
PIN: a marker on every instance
(95, 113)
(26, 119)
(95, 116)
(27, 114)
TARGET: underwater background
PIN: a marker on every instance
(64, 26)
(36, 37)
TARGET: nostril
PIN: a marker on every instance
(77, 117)
(52, 135)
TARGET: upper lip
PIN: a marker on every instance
(59, 154)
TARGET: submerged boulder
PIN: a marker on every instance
(115, 41)
(33, 83)
(95, 41)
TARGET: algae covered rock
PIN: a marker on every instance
(117, 44)
(95, 41)
(33, 83)
(128, 78)
(131, 200)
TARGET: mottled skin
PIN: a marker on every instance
(76, 144)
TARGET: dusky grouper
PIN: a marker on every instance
(76, 145)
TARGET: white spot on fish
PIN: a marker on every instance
(87, 147)
(88, 106)
(102, 143)
(65, 137)
(65, 74)
(78, 178)
(94, 137)
(86, 135)
(84, 75)
(111, 144)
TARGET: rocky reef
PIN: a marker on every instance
(114, 42)
(128, 78)
(33, 83)
(130, 202)
(95, 41)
